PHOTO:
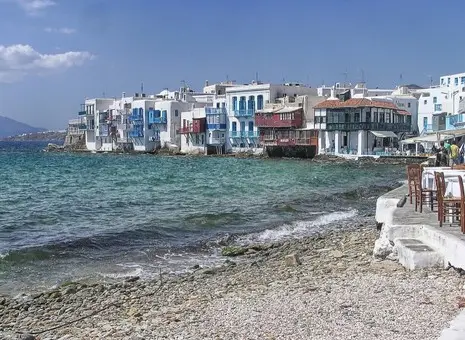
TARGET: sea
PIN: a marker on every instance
(102, 217)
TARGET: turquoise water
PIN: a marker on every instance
(76, 216)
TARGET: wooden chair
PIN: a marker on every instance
(447, 206)
(411, 171)
(462, 205)
(422, 195)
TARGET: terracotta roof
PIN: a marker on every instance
(355, 102)
(404, 112)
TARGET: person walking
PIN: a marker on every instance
(454, 153)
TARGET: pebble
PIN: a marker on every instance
(338, 291)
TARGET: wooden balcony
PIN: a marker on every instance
(279, 119)
(396, 127)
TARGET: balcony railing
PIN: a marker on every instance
(270, 122)
(216, 126)
(243, 134)
(311, 141)
(217, 141)
(215, 110)
(396, 127)
(244, 113)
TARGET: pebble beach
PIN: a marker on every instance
(326, 286)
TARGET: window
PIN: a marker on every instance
(435, 100)
(425, 102)
(408, 105)
(234, 103)
(251, 126)
(251, 103)
(456, 81)
(176, 113)
(368, 117)
(203, 139)
(217, 105)
(462, 80)
(242, 103)
(242, 126)
(425, 122)
(437, 107)
(234, 126)
(448, 81)
(259, 102)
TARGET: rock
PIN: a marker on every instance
(337, 254)
(292, 260)
(133, 312)
(382, 248)
(233, 251)
(27, 337)
(132, 279)
(70, 290)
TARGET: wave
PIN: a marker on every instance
(297, 229)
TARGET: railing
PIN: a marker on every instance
(397, 127)
(158, 120)
(215, 110)
(270, 122)
(244, 113)
(216, 126)
(217, 141)
(243, 134)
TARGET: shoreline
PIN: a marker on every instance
(326, 285)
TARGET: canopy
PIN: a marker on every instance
(432, 138)
(384, 134)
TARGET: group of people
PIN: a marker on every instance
(449, 153)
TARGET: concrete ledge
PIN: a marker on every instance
(414, 254)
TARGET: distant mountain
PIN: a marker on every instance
(11, 127)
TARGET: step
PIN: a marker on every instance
(415, 254)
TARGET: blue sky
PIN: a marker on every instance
(117, 44)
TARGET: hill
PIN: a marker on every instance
(11, 127)
(49, 136)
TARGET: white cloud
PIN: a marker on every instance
(17, 61)
(34, 7)
(63, 30)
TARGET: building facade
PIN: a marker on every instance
(243, 101)
(358, 126)
(438, 102)
(139, 123)
(282, 128)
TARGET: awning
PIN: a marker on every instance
(384, 134)
(432, 138)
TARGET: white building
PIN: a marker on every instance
(139, 122)
(361, 126)
(241, 103)
(193, 131)
(439, 101)
(357, 90)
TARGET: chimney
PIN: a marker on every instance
(123, 95)
(206, 82)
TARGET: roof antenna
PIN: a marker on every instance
(142, 87)
(363, 76)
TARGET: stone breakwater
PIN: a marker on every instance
(321, 287)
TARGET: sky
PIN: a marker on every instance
(55, 53)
